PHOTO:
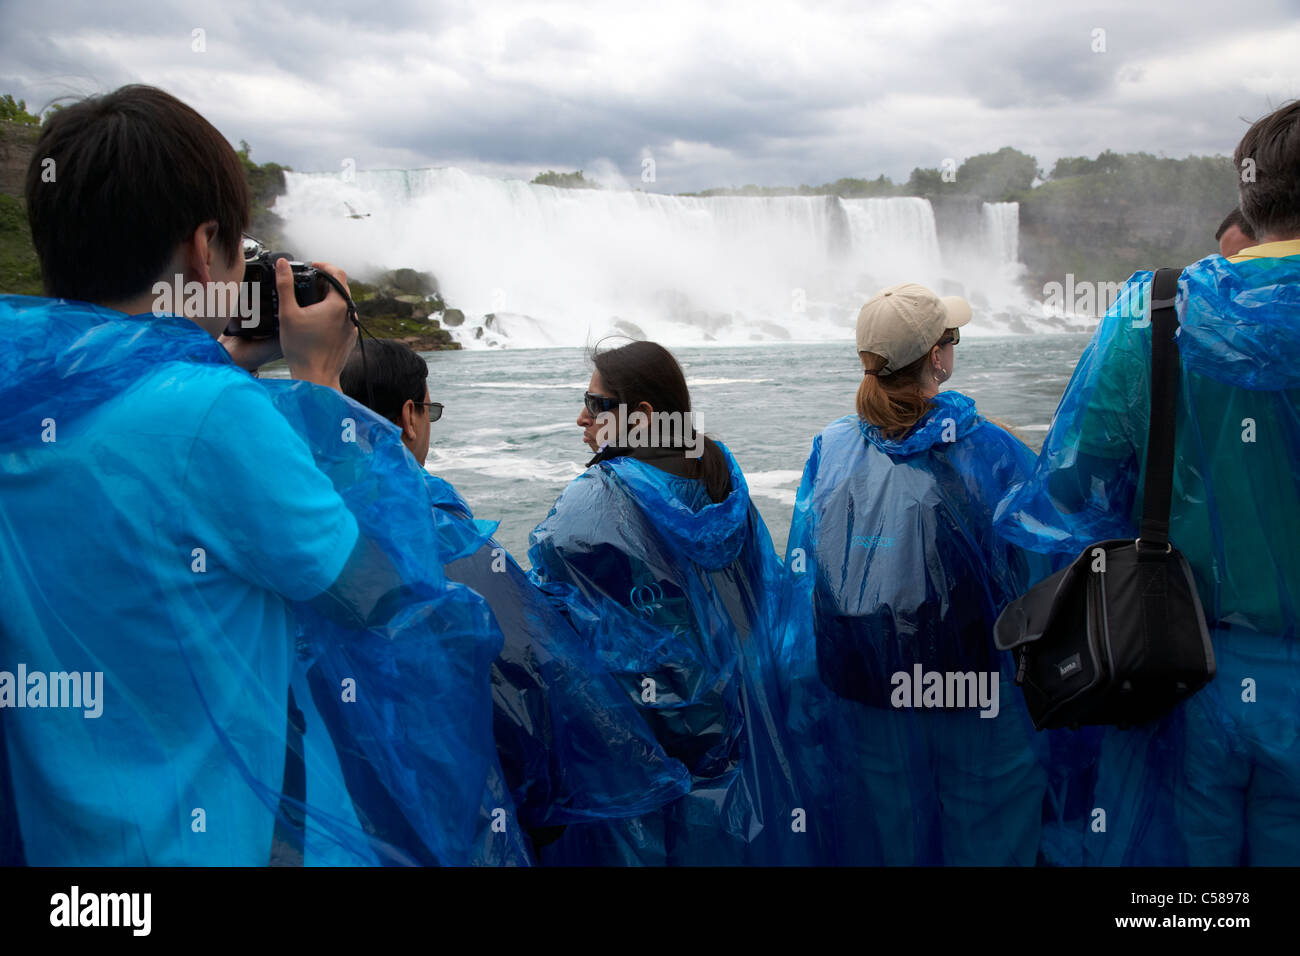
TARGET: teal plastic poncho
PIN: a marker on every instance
(1218, 780)
(685, 594)
(901, 709)
(169, 523)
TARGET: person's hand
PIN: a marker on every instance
(317, 340)
(251, 354)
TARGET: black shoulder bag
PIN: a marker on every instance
(1119, 636)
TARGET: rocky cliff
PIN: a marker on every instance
(16, 146)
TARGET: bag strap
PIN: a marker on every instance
(1157, 492)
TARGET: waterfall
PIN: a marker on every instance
(1002, 230)
(563, 267)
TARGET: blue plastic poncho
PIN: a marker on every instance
(169, 523)
(678, 596)
(894, 574)
(572, 747)
(1218, 780)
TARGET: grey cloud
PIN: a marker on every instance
(965, 84)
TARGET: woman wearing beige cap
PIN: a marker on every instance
(907, 712)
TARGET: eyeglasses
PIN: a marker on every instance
(950, 337)
(434, 409)
(598, 403)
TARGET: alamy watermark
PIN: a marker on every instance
(82, 690)
(178, 297)
(638, 429)
(947, 690)
(1080, 296)
(75, 908)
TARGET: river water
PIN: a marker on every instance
(509, 442)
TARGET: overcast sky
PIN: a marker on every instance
(717, 93)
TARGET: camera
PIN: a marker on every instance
(259, 301)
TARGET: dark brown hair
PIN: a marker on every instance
(1271, 202)
(396, 374)
(134, 173)
(647, 372)
(895, 402)
(1234, 218)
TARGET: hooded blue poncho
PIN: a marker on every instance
(678, 596)
(1218, 780)
(894, 573)
(186, 763)
(573, 748)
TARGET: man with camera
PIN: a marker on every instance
(167, 522)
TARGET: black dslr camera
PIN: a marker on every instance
(259, 301)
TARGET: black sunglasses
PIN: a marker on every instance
(598, 403)
(951, 337)
(434, 409)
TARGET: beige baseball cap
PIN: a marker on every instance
(904, 322)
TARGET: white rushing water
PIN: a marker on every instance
(562, 267)
(1002, 230)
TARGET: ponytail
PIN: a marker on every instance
(893, 403)
(714, 471)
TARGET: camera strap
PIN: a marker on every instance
(362, 332)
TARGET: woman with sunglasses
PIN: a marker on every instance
(905, 711)
(658, 541)
(571, 747)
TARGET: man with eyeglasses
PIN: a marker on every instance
(397, 378)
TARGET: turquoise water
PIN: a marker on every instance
(509, 442)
